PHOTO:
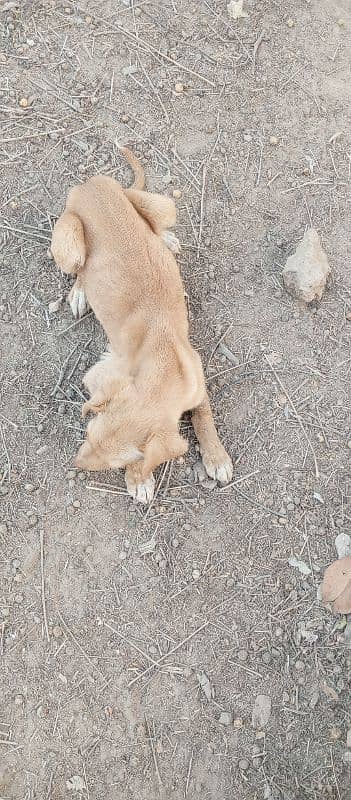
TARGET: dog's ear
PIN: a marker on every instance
(163, 447)
(68, 243)
(112, 388)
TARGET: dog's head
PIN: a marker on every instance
(123, 431)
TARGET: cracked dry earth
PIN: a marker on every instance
(174, 651)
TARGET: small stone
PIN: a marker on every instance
(57, 632)
(348, 738)
(226, 718)
(32, 520)
(76, 504)
(175, 542)
(88, 19)
(179, 87)
(18, 598)
(24, 102)
(348, 315)
(125, 118)
(306, 271)
(122, 555)
(29, 487)
(196, 574)
(176, 194)
(18, 699)
(266, 657)
(349, 444)
(347, 757)
(131, 69)
(273, 140)
(244, 764)
(238, 723)
(290, 23)
(242, 655)
(261, 711)
(335, 733)
(299, 665)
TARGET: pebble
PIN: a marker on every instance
(225, 718)
(122, 555)
(24, 102)
(179, 87)
(196, 574)
(76, 504)
(273, 140)
(348, 738)
(299, 665)
(71, 474)
(290, 23)
(306, 271)
(57, 632)
(175, 542)
(244, 764)
(176, 194)
(18, 699)
(261, 711)
(347, 757)
(32, 520)
(18, 598)
(348, 315)
(266, 657)
(242, 655)
(349, 444)
(29, 487)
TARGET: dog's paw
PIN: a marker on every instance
(218, 466)
(78, 302)
(172, 242)
(142, 492)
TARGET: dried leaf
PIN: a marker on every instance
(301, 566)
(336, 586)
(235, 9)
(75, 784)
(343, 545)
(330, 692)
(205, 685)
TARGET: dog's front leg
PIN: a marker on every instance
(78, 300)
(216, 460)
(140, 488)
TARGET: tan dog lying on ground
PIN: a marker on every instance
(117, 242)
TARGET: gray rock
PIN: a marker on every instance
(226, 718)
(261, 711)
(305, 273)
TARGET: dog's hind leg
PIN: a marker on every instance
(216, 460)
(158, 210)
(68, 243)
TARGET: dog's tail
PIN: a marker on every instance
(138, 169)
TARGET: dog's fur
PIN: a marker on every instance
(117, 242)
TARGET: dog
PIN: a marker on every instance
(119, 245)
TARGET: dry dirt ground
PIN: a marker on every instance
(134, 642)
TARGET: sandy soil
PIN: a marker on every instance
(134, 642)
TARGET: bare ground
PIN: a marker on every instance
(126, 633)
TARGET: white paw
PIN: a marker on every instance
(219, 470)
(172, 242)
(142, 492)
(78, 302)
